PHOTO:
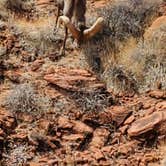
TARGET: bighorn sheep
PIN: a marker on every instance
(74, 19)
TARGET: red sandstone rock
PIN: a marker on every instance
(80, 127)
(25, 117)
(146, 123)
(160, 21)
(19, 136)
(158, 94)
(7, 121)
(42, 2)
(129, 120)
(13, 76)
(2, 133)
(100, 137)
(123, 129)
(119, 114)
(44, 125)
(73, 137)
(97, 154)
(105, 117)
(64, 123)
(35, 137)
(162, 128)
(52, 93)
(75, 80)
(108, 149)
(37, 64)
(161, 105)
(128, 147)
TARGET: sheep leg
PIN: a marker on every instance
(62, 51)
(57, 17)
(58, 14)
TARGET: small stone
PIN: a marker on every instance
(74, 79)
(161, 105)
(119, 114)
(97, 154)
(81, 127)
(3, 52)
(13, 76)
(129, 120)
(37, 64)
(2, 132)
(128, 147)
(123, 129)
(100, 137)
(73, 137)
(64, 123)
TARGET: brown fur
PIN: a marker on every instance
(75, 11)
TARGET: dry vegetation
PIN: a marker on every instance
(91, 101)
(108, 53)
(101, 104)
(24, 98)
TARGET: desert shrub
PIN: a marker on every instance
(110, 51)
(24, 98)
(19, 5)
(3, 11)
(93, 101)
(129, 18)
(120, 80)
(150, 59)
(17, 155)
(155, 75)
(123, 19)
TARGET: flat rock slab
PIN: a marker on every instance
(74, 80)
(118, 114)
(75, 126)
(147, 123)
(158, 94)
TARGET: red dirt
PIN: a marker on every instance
(128, 130)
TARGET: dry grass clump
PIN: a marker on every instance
(3, 11)
(19, 5)
(120, 80)
(17, 155)
(24, 98)
(155, 76)
(93, 101)
(149, 60)
(129, 17)
(36, 36)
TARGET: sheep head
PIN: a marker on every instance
(79, 35)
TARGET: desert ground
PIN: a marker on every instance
(101, 104)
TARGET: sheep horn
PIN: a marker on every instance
(66, 21)
(95, 28)
(87, 34)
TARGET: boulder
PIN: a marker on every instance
(147, 123)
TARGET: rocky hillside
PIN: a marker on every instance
(101, 104)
